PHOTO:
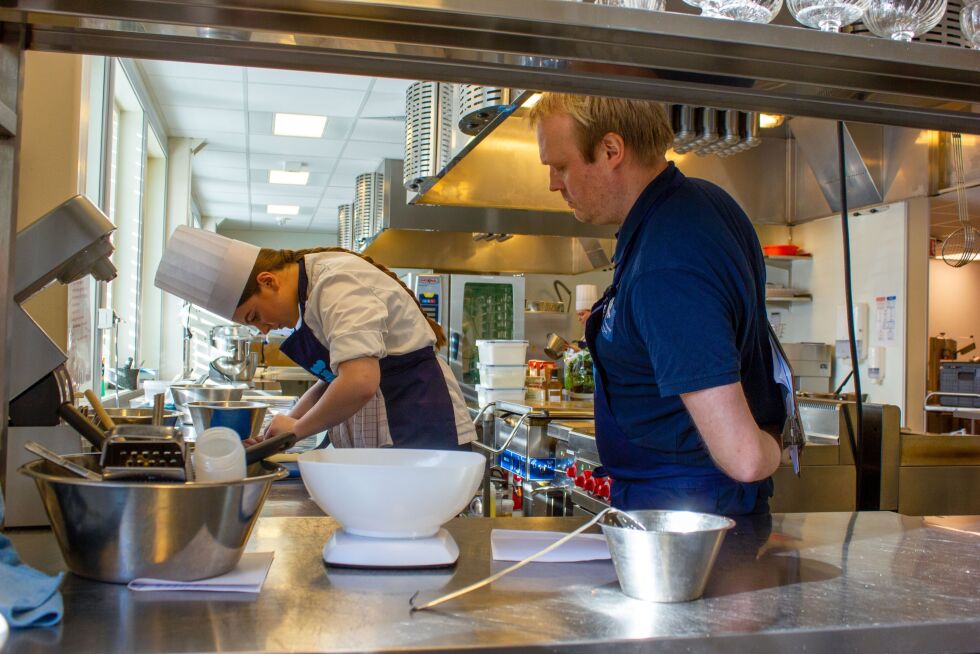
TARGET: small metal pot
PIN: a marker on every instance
(185, 393)
(556, 346)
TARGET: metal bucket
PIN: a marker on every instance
(118, 531)
(671, 561)
(244, 417)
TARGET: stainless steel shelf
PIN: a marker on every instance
(560, 46)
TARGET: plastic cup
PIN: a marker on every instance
(219, 456)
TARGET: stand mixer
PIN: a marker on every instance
(240, 362)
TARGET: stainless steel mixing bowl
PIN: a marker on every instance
(138, 417)
(118, 531)
(244, 417)
(671, 560)
(186, 393)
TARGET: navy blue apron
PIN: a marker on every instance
(420, 411)
(656, 484)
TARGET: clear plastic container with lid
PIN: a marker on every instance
(502, 353)
(487, 395)
(502, 376)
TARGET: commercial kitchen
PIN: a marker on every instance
(402, 131)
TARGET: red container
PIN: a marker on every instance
(787, 250)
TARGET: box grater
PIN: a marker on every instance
(144, 452)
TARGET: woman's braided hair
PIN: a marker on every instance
(270, 260)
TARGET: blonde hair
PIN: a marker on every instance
(270, 260)
(643, 124)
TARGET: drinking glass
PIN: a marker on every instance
(970, 22)
(749, 11)
(649, 5)
(827, 15)
(903, 19)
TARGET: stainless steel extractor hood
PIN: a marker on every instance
(470, 239)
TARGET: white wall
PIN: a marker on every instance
(879, 268)
(282, 240)
(954, 301)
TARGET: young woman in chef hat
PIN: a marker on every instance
(356, 327)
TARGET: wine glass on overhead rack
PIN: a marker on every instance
(970, 22)
(749, 11)
(902, 20)
(827, 15)
(649, 5)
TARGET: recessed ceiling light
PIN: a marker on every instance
(282, 209)
(298, 125)
(297, 178)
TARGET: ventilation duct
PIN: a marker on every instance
(368, 208)
(428, 132)
(345, 226)
(477, 106)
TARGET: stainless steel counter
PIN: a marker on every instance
(818, 582)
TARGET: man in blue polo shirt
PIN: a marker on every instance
(686, 406)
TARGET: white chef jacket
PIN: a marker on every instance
(356, 310)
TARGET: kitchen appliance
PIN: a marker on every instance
(471, 308)
(239, 362)
(576, 461)
(526, 453)
(812, 365)
(402, 529)
(163, 530)
(66, 244)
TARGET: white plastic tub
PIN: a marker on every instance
(487, 395)
(502, 376)
(502, 353)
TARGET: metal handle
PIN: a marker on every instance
(55, 458)
(269, 446)
(503, 447)
(520, 564)
(483, 410)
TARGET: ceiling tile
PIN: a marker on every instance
(219, 159)
(199, 121)
(294, 146)
(384, 105)
(374, 150)
(316, 181)
(306, 78)
(224, 141)
(190, 92)
(194, 71)
(313, 164)
(302, 194)
(391, 85)
(225, 210)
(217, 174)
(221, 191)
(374, 129)
(303, 100)
(348, 169)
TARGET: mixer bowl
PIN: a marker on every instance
(391, 493)
(243, 417)
(186, 393)
(116, 531)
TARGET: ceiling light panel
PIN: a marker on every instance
(295, 178)
(282, 209)
(298, 125)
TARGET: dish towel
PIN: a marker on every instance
(246, 577)
(28, 597)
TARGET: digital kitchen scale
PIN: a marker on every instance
(345, 550)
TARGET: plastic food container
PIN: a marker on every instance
(786, 250)
(502, 353)
(487, 395)
(502, 376)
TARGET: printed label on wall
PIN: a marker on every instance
(886, 325)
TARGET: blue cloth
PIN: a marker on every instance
(686, 312)
(28, 598)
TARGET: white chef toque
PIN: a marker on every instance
(585, 296)
(206, 269)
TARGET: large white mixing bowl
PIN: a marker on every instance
(391, 493)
